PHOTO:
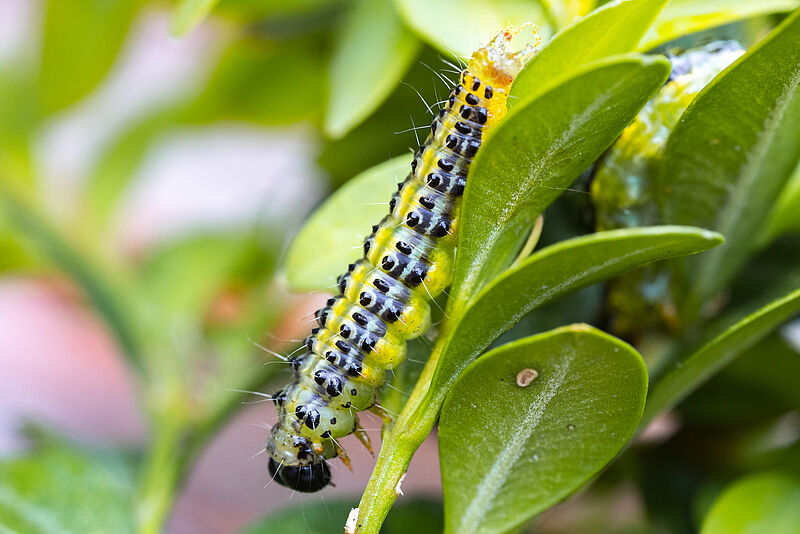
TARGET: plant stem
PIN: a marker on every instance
(530, 244)
(160, 477)
(406, 435)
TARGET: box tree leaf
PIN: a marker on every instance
(509, 452)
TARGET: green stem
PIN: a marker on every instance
(161, 475)
(178, 440)
(530, 244)
(399, 445)
(409, 431)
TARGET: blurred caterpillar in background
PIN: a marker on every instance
(624, 181)
(384, 298)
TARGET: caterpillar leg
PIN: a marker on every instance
(385, 416)
(363, 437)
(342, 455)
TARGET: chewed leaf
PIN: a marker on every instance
(552, 408)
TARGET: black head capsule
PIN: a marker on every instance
(302, 478)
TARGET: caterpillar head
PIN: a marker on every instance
(497, 63)
(303, 478)
(294, 463)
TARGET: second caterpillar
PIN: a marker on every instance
(384, 298)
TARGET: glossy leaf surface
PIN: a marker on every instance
(732, 151)
(689, 372)
(614, 28)
(556, 271)
(538, 150)
(459, 27)
(509, 452)
(682, 17)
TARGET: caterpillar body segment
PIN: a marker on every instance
(384, 298)
(623, 188)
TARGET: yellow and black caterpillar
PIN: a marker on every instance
(384, 298)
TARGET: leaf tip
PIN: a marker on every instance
(334, 128)
(715, 239)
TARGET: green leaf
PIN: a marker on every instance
(766, 371)
(16, 252)
(189, 13)
(765, 502)
(372, 52)
(333, 235)
(267, 82)
(278, 10)
(459, 27)
(544, 276)
(538, 150)
(614, 28)
(555, 271)
(687, 373)
(731, 153)
(57, 489)
(508, 452)
(81, 41)
(564, 12)
(416, 515)
(681, 17)
(785, 217)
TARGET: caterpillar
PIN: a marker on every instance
(623, 187)
(384, 298)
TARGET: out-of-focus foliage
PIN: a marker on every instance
(337, 70)
(768, 502)
(374, 47)
(58, 488)
(419, 516)
(80, 42)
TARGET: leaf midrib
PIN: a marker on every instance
(729, 216)
(496, 477)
